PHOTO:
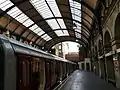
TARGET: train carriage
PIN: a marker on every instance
(26, 68)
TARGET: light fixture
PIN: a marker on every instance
(74, 26)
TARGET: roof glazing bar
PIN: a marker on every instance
(5, 4)
(76, 15)
(48, 9)
(18, 15)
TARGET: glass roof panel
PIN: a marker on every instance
(37, 30)
(78, 27)
(62, 32)
(66, 32)
(53, 24)
(40, 33)
(48, 9)
(14, 12)
(75, 9)
(46, 37)
(76, 14)
(61, 22)
(42, 8)
(5, 4)
(21, 18)
(54, 8)
(28, 23)
(77, 35)
(33, 27)
(3, 1)
(59, 32)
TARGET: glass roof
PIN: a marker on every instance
(36, 29)
(18, 15)
(61, 22)
(53, 24)
(5, 4)
(46, 37)
(76, 15)
(51, 18)
(62, 32)
(48, 9)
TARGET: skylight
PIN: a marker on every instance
(61, 22)
(76, 15)
(39, 32)
(14, 12)
(59, 32)
(46, 37)
(5, 4)
(21, 17)
(66, 33)
(33, 27)
(28, 22)
(54, 8)
(53, 24)
(48, 9)
(42, 8)
(62, 32)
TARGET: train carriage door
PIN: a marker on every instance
(53, 72)
(48, 75)
(58, 70)
(35, 73)
(23, 73)
(42, 74)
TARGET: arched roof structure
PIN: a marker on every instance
(47, 22)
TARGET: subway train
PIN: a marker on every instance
(23, 67)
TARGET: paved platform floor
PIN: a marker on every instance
(81, 80)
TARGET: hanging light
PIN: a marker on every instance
(74, 26)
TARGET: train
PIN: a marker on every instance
(24, 67)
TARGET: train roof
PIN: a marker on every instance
(29, 50)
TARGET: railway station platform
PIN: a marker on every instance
(82, 80)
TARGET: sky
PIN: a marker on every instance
(71, 47)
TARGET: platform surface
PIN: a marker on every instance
(82, 80)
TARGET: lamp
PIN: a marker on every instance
(74, 26)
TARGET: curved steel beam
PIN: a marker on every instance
(86, 5)
(64, 38)
(67, 19)
(77, 9)
(45, 33)
(28, 27)
(47, 49)
(19, 22)
(87, 39)
(96, 20)
(51, 17)
(79, 2)
(72, 20)
(63, 29)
